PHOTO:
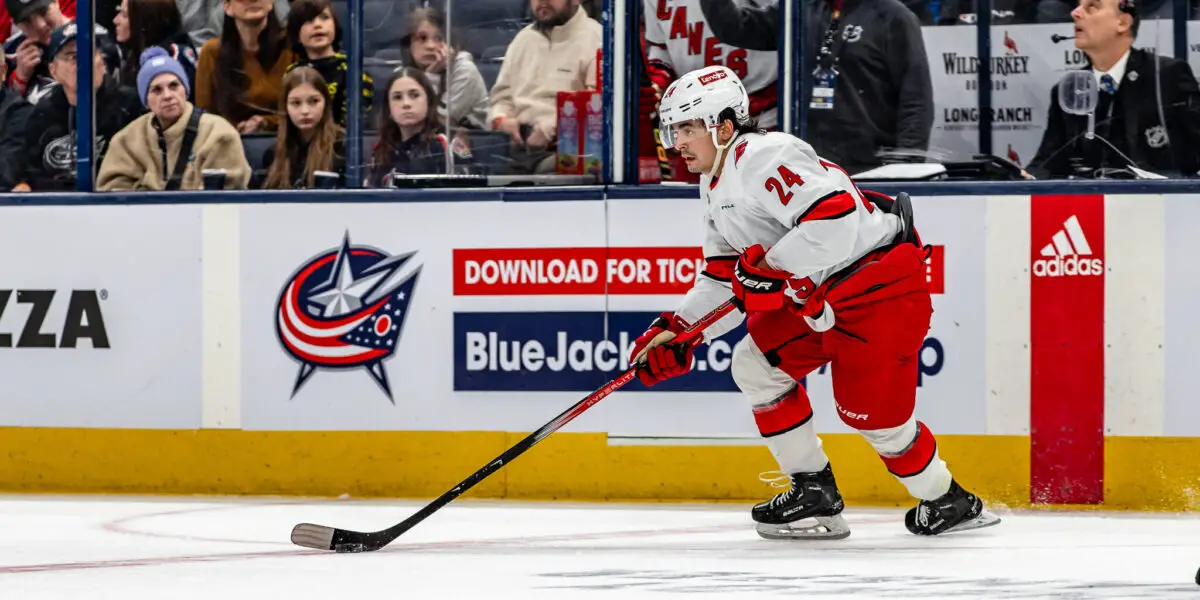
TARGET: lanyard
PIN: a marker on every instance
(825, 54)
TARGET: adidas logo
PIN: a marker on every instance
(1066, 254)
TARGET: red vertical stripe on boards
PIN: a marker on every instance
(1067, 350)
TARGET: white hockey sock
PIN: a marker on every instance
(910, 453)
(798, 450)
(931, 483)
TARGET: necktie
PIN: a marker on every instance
(1107, 84)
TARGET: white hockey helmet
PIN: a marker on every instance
(702, 94)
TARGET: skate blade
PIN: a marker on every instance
(985, 519)
(827, 528)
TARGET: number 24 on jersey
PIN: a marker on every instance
(782, 185)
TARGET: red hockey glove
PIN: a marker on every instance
(757, 287)
(660, 361)
(665, 322)
(666, 361)
(660, 75)
(648, 99)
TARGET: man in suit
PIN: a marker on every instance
(1148, 110)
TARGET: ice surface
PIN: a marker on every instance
(59, 548)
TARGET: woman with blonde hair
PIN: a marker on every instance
(310, 141)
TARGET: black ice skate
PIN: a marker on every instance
(956, 510)
(810, 497)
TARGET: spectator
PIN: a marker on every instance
(1148, 111)
(204, 19)
(670, 54)
(6, 22)
(141, 24)
(311, 141)
(315, 37)
(170, 147)
(871, 91)
(50, 132)
(452, 71)
(14, 111)
(556, 53)
(28, 69)
(410, 138)
(240, 74)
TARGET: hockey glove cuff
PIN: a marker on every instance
(823, 321)
(757, 287)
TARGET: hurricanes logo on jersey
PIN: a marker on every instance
(1067, 254)
(738, 151)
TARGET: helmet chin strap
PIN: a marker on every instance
(722, 149)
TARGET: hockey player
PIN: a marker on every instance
(679, 40)
(824, 273)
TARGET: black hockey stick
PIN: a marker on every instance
(321, 537)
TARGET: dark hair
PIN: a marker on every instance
(416, 18)
(305, 11)
(1130, 7)
(230, 82)
(750, 126)
(389, 131)
(288, 140)
(151, 23)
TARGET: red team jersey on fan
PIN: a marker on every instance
(678, 40)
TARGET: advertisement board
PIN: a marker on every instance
(1067, 340)
(1181, 411)
(408, 316)
(1026, 62)
(100, 316)
(348, 319)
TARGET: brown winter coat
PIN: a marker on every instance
(134, 161)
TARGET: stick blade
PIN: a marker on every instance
(317, 537)
(320, 537)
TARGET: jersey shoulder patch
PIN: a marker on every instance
(739, 150)
(750, 151)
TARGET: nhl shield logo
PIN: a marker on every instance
(345, 309)
(1156, 137)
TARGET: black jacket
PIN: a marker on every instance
(14, 112)
(50, 134)
(758, 28)
(41, 82)
(883, 97)
(300, 164)
(1134, 127)
(416, 157)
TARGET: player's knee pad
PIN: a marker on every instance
(906, 450)
(761, 382)
(892, 441)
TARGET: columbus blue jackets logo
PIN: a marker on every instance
(345, 309)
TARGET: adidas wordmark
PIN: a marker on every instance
(1066, 254)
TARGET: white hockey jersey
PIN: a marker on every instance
(678, 37)
(775, 190)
